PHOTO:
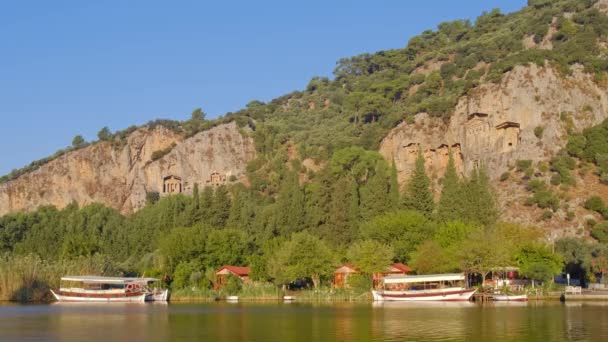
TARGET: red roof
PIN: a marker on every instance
(351, 266)
(238, 270)
(402, 267)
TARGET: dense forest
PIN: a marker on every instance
(293, 223)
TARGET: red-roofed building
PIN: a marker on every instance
(342, 273)
(397, 268)
(222, 274)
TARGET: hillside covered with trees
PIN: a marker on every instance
(295, 222)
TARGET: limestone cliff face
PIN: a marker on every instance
(495, 125)
(121, 176)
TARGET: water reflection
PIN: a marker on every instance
(551, 321)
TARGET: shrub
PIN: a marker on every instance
(547, 215)
(600, 232)
(504, 176)
(523, 165)
(595, 203)
(538, 131)
(360, 282)
(156, 155)
(233, 285)
(570, 216)
(152, 197)
(543, 197)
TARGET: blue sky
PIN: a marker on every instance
(72, 67)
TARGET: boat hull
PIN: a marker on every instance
(457, 295)
(160, 296)
(63, 296)
(510, 298)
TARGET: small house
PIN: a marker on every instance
(341, 275)
(222, 274)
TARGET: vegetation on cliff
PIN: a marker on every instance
(294, 222)
(371, 93)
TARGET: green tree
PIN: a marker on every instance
(418, 195)
(577, 256)
(393, 194)
(78, 141)
(430, 257)
(183, 245)
(342, 212)
(198, 115)
(370, 256)
(291, 206)
(403, 230)
(374, 196)
(483, 251)
(220, 207)
(538, 263)
(226, 247)
(479, 200)
(303, 256)
(450, 205)
(104, 134)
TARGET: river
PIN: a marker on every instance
(542, 321)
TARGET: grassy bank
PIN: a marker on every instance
(28, 278)
(269, 292)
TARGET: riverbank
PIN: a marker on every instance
(269, 293)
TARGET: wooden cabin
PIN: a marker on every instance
(222, 274)
(342, 273)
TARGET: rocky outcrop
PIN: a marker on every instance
(526, 116)
(120, 176)
(602, 6)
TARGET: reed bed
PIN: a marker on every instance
(28, 278)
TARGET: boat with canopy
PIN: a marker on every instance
(431, 287)
(109, 289)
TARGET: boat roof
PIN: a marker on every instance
(399, 279)
(108, 280)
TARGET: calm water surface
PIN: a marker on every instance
(305, 322)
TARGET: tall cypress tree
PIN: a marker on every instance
(338, 229)
(450, 206)
(418, 194)
(393, 194)
(194, 209)
(374, 194)
(205, 204)
(290, 204)
(220, 207)
(479, 200)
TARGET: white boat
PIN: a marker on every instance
(431, 287)
(108, 289)
(509, 298)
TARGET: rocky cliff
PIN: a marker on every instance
(525, 117)
(120, 175)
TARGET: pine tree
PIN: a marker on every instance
(418, 195)
(290, 204)
(478, 199)
(450, 206)
(375, 194)
(220, 207)
(338, 229)
(194, 213)
(393, 195)
(206, 202)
